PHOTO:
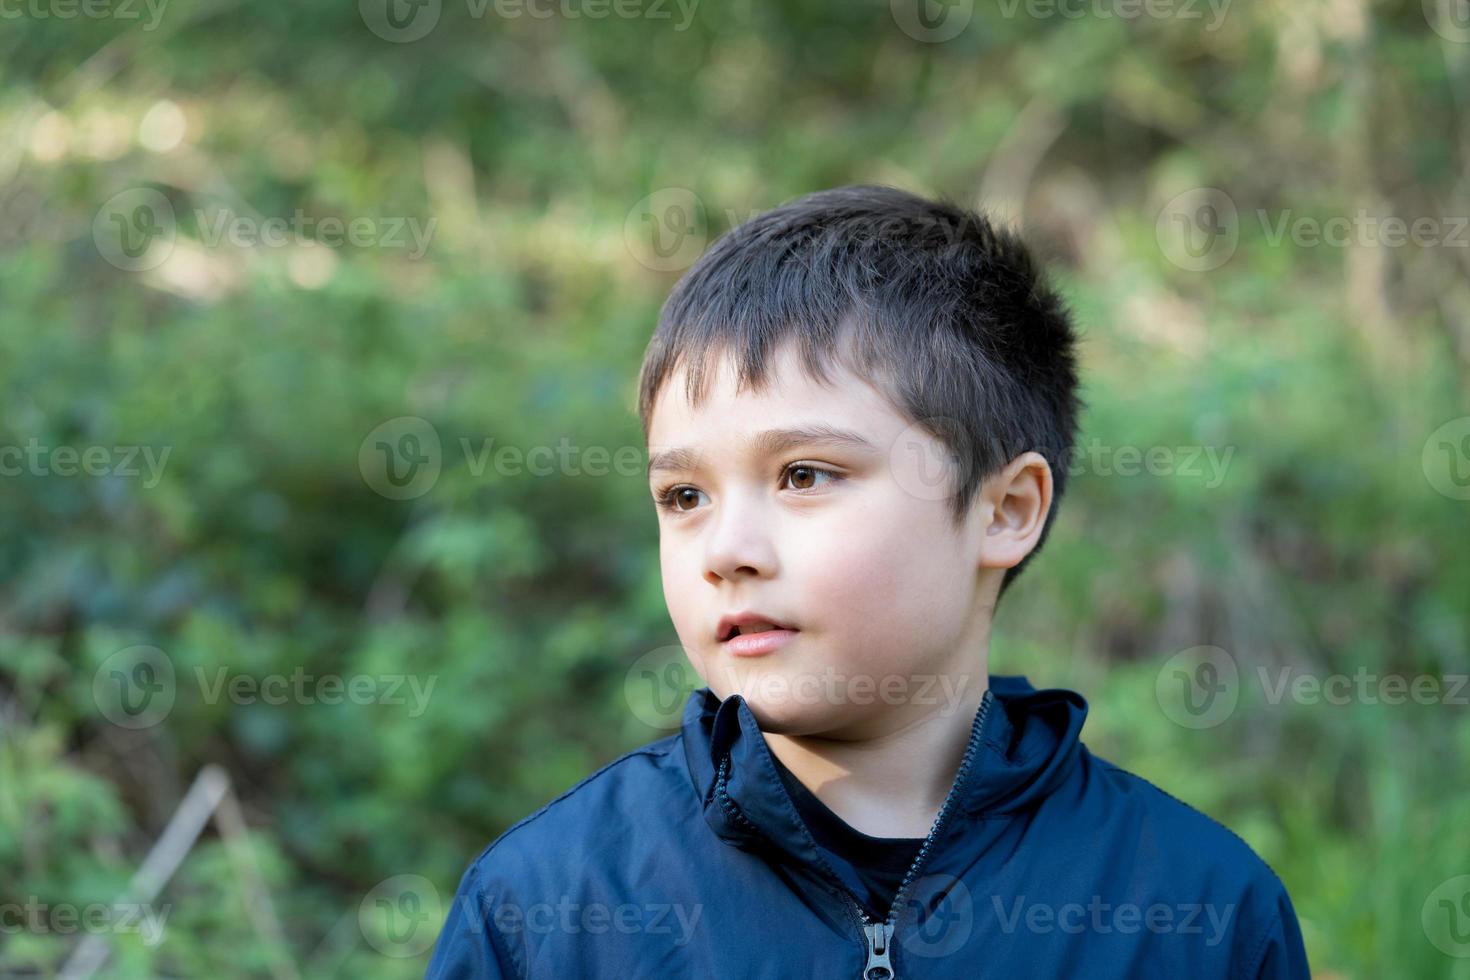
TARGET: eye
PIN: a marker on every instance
(803, 474)
(808, 471)
(669, 497)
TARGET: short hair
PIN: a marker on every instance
(949, 316)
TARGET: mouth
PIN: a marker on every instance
(749, 635)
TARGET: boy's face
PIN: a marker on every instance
(852, 546)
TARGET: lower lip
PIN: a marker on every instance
(758, 644)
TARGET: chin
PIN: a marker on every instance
(782, 706)
(786, 718)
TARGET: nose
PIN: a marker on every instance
(740, 543)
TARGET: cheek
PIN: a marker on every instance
(675, 585)
(886, 584)
(681, 581)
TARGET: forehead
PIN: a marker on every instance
(728, 420)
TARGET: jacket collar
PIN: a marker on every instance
(1022, 747)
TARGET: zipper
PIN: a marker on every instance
(878, 936)
(880, 965)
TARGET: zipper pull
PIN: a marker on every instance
(879, 967)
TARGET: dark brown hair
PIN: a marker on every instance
(948, 315)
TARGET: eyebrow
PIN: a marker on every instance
(767, 443)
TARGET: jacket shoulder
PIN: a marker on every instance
(539, 862)
(1208, 862)
(1172, 824)
(599, 812)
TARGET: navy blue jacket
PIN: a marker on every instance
(687, 858)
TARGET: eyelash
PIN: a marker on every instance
(664, 498)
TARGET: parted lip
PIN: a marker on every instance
(729, 624)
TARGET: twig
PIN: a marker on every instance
(210, 795)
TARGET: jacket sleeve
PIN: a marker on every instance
(470, 947)
(1283, 955)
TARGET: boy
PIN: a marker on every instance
(859, 408)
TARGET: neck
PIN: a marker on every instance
(891, 780)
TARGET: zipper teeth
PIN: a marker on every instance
(728, 805)
(965, 761)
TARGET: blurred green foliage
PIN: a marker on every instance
(530, 143)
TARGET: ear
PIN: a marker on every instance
(1015, 504)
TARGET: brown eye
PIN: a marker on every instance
(803, 476)
(670, 500)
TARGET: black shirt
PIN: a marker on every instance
(879, 862)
